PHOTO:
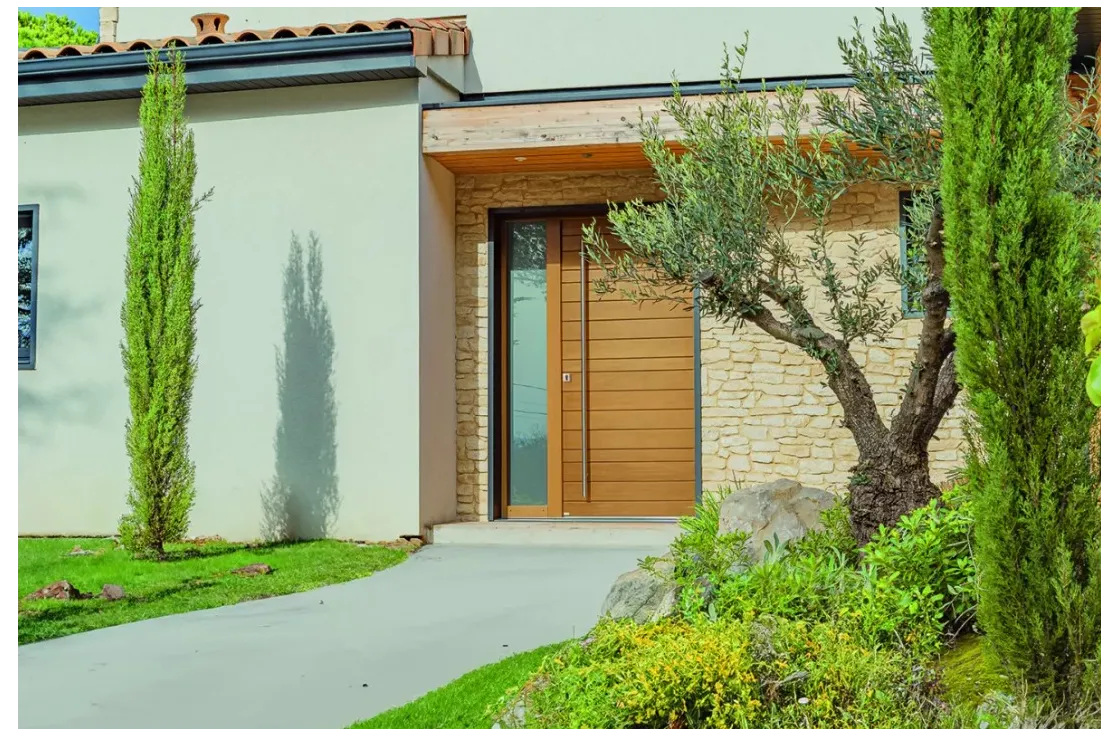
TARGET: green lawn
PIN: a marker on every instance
(196, 577)
(464, 703)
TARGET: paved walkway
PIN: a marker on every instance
(324, 658)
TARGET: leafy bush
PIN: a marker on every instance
(920, 577)
(701, 550)
(915, 584)
(725, 674)
(705, 559)
(834, 537)
(803, 585)
(812, 636)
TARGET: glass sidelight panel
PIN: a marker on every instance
(528, 364)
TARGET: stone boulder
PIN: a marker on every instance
(60, 590)
(643, 595)
(111, 592)
(782, 507)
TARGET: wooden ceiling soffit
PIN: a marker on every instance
(554, 136)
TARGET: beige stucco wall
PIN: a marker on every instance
(765, 413)
(342, 161)
(556, 48)
(437, 345)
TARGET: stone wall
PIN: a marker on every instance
(766, 412)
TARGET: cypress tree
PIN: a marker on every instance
(158, 316)
(1017, 261)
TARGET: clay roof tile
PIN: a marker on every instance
(430, 36)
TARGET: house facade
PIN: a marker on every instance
(445, 161)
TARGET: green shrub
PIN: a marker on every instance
(1019, 254)
(806, 586)
(159, 316)
(833, 537)
(725, 674)
(701, 550)
(1022, 711)
(919, 578)
(705, 559)
(915, 586)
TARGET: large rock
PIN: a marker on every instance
(643, 595)
(782, 507)
(60, 590)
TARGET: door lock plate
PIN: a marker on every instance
(566, 378)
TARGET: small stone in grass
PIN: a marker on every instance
(111, 592)
(257, 568)
(200, 541)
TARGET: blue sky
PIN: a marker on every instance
(86, 17)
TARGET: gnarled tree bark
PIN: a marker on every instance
(891, 477)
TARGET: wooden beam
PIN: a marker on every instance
(544, 159)
(557, 124)
(617, 157)
(564, 136)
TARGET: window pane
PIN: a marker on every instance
(528, 366)
(913, 262)
(26, 257)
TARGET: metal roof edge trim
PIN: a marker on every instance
(85, 77)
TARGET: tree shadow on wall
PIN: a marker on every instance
(302, 499)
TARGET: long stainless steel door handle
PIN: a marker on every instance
(583, 362)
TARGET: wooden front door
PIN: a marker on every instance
(599, 409)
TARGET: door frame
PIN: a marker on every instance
(497, 219)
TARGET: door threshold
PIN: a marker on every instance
(599, 519)
(572, 532)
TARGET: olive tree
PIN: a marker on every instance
(751, 185)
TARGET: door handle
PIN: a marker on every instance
(583, 361)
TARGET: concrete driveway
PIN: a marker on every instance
(325, 658)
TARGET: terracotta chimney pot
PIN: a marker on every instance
(209, 23)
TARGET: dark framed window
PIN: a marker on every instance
(28, 255)
(912, 257)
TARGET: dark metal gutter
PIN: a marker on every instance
(592, 94)
(225, 67)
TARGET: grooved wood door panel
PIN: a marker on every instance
(640, 394)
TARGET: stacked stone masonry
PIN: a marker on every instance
(766, 412)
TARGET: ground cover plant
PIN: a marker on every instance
(817, 634)
(468, 701)
(193, 577)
